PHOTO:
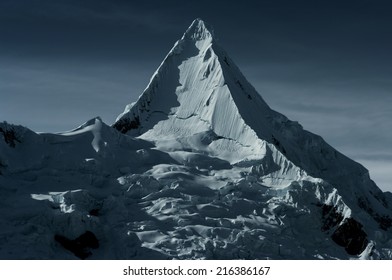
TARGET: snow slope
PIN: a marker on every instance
(199, 167)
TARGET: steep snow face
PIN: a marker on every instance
(188, 98)
(198, 100)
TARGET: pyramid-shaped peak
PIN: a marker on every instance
(199, 30)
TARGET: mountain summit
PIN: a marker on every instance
(198, 31)
(198, 90)
(199, 101)
(199, 167)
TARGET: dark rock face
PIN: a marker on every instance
(385, 222)
(9, 136)
(331, 218)
(81, 246)
(278, 145)
(349, 234)
(94, 212)
(126, 125)
(2, 166)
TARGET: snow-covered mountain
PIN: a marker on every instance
(198, 167)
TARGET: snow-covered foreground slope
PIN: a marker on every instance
(198, 167)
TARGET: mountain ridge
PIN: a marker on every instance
(271, 128)
(199, 167)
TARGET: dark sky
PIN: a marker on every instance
(326, 64)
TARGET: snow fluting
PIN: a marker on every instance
(199, 167)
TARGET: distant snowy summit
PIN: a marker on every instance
(199, 167)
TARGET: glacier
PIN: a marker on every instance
(199, 167)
